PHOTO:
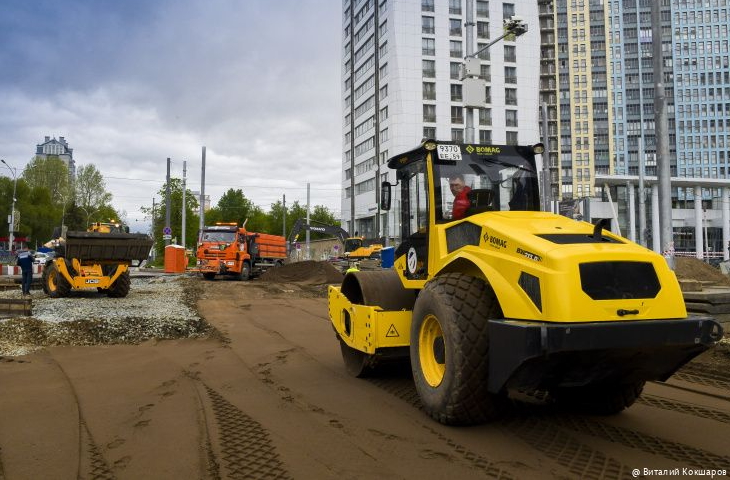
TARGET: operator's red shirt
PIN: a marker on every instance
(461, 204)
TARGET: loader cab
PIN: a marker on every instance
(494, 178)
(352, 244)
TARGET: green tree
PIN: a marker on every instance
(50, 172)
(296, 211)
(191, 216)
(36, 215)
(235, 207)
(91, 195)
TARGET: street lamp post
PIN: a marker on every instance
(11, 221)
(473, 85)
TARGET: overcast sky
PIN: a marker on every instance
(130, 83)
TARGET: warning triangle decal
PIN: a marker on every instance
(392, 332)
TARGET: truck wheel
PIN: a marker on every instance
(599, 399)
(450, 349)
(358, 364)
(54, 284)
(120, 288)
(245, 271)
(209, 276)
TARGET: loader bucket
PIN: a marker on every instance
(106, 247)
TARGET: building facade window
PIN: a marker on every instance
(457, 115)
(428, 46)
(429, 91)
(454, 7)
(428, 25)
(429, 113)
(429, 68)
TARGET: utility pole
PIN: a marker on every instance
(11, 217)
(308, 221)
(167, 204)
(546, 194)
(185, 172)
(202, 193)
(661, 130)
(642, 200)
(152, 228)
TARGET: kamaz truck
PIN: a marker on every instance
(227, 249)
(509, 298)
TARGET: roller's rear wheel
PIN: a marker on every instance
(358, 364)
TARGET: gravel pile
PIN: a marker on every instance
(160, 308)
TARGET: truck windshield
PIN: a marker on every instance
(218, 236)
(484, 179)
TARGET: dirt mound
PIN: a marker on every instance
(695, 269)
(308, 271)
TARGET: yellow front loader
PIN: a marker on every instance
(98, 258)
(489, 295)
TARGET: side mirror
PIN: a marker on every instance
(385, 195)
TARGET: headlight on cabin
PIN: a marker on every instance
(230, 263)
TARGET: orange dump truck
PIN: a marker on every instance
(227, 249)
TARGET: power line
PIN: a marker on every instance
(270, 187)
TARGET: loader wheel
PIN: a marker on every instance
(120, 287)
(209, 276)
(54, 284)
(245, 271)
(357, 363)
(599, 399)
(450, 349)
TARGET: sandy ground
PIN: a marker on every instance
(266, 396)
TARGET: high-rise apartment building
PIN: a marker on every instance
(402, 82)
(597, 79)
(700, 32)
(575, 86)
(58, 148)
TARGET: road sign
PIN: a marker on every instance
(299, 246)
(167, 237)
(167, 231)
(336, 247)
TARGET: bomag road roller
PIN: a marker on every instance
(490, 296)
(98, 258)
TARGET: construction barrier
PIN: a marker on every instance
(10, 270)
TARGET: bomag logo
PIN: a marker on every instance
(494, 241)
(483, 150)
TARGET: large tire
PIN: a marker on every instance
(120, 287)
(55, 285)
(599, 399)
(245, 271)
(450, 350)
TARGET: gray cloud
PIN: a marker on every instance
(131, 83)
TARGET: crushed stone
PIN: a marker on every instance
(158, 308)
